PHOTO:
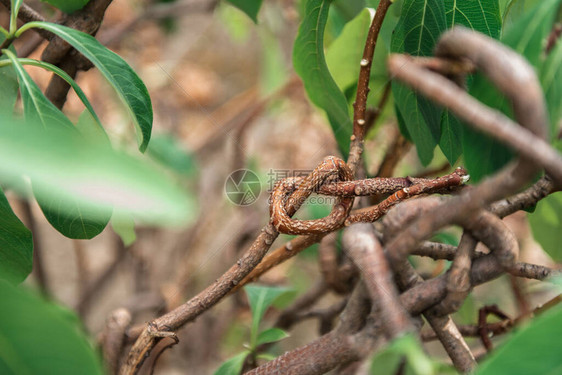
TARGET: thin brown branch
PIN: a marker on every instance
(360, 105)
(113, 338)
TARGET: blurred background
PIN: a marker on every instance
(225, 97)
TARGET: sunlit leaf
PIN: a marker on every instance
(310, 64)
(39, 337)
(119, 74)
(67, 168)
(16, 245)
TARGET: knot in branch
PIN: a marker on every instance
(290, 193)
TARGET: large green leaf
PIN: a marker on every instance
(67, 168)
(67, 6)
(479, 15)
(344, 55)
(482, 154)
(551, 80)
(546, 222)
(16, 245)
(39, 337)
(310, 64)
(70, 221)
(420, 24)
(533, 349)
(260, 299)
(250, 7)
(124, 80)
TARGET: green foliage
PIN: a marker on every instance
(39, 337)
(482, 154)
(551, 80)
(546, 222)
(67, 168)
(9, 91)
(533, 349)
(260, 299)
(310, 64)
(119, 74)
(166, 150)
(16, 245)
(67, 6)
(250, 7)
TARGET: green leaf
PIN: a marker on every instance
(551, 80)
(70, 221)
(9, 92)
(67, 6)
(124, 226)
(271, 335)
(36, 107)
(344, 54)
(482, 16)
(166, 150)
(310, 64)
(124, 80)
(250, 7)
(69, 216)
(16, 245)
(419, 27)
(233, 366)
(39, 337)
(68, 168)
(546, 222)
(388, 360)
(61, 73)
(260, 299)
(533, 349)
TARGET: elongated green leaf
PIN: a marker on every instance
(534, 349)
(260, 299)
(124, 80)
(250, 7)
(551, 80)
(546, 222)
(418, 29)
(271, 335)
(9, 92)
(310, 65)
(61, 73)
(67, 6)
(344, 55)
(16, 245)
(39, 337)
(67, 168)
(232, 366)
(36, 107)
(482, 16)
